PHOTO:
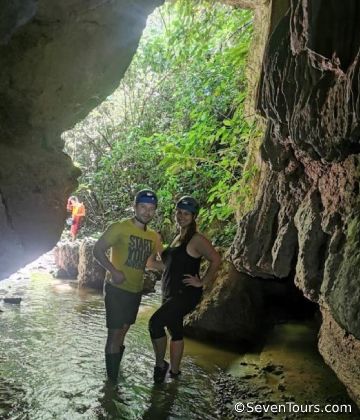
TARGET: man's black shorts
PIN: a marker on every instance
(121, 306)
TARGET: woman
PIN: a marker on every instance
(181, 286)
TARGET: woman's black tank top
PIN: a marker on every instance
(178, 263)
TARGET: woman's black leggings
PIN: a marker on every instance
(170, 315)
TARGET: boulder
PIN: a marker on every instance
(231, 309)
(13, 300)
(67, 259)
(91, 273)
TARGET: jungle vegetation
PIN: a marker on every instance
(176, 123)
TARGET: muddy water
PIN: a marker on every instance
(52, 367)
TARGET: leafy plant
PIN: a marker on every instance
(176, 123)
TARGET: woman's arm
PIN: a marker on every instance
(205, 249)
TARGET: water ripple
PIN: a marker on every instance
(53, 362)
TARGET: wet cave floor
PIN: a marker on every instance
(52, 365)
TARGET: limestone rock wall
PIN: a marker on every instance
(307, 212)
(58, 60)
(341, 350)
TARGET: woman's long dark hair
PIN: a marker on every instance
(190, 232)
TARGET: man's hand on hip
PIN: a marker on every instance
(117, 277)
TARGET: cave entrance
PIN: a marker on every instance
(176, 123)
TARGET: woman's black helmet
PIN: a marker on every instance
(188, 203)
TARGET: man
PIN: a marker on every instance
(77, 210)
(133, 246)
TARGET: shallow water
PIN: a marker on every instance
(52, 361)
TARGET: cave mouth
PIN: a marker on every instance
(176, 123)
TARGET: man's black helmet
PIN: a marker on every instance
(188, 203)
(146, 196)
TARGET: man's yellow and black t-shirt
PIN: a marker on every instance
(130, 249)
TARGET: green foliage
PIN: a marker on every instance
(177, 121)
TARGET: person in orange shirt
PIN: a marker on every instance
(77, 210)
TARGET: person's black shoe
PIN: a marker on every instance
(174, 375)
(160, 372)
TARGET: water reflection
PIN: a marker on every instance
(162, 401)
(110, 402)
(11, 397)
(52, 361)
(53, 345)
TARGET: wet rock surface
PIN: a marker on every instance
(230, 310)
(66, 256)
(263, 388)
(241, 309)
(341, 351)
(251, 389)
(91, 273)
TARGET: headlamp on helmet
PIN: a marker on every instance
(188, 203)
(146, 196)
